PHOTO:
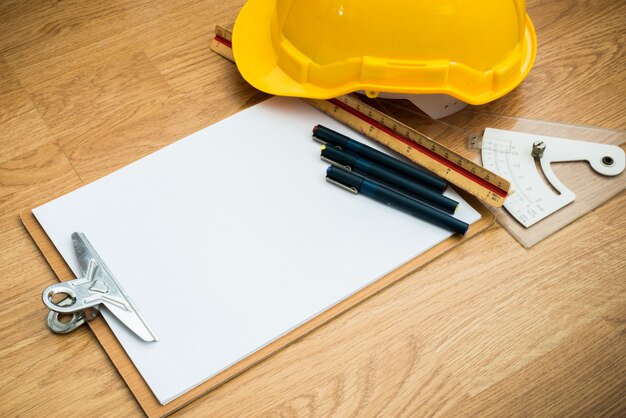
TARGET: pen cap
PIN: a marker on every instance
(344, 177)
(329, 136)
(338, 156)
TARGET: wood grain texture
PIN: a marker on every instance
(488, 329)
(581, 55)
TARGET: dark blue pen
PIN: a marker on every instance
(328, 136)
(357, 184)
(387, 176)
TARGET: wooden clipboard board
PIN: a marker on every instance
(131, 375)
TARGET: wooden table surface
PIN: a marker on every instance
(489, 329)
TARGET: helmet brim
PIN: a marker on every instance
(257, 61)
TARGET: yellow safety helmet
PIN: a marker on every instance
(473, 50)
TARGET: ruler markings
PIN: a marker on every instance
(430, 149)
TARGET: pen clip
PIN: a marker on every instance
(352, 190)
(335, 163)
(321, 141)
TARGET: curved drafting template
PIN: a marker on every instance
(512, 155)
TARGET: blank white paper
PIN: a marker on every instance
(231, 237)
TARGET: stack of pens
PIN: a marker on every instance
(359, 168)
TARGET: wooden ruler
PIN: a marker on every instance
(428, 153)
(223, 43)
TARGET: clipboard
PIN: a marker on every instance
(139, 386)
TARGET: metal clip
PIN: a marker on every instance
(84, 295)
(352, 190)
(319, 140)
(335, 163)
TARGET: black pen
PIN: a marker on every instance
(380, 173)
(328, 136)
(357, 184)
